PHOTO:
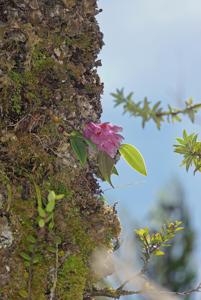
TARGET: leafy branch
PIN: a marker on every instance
(148, 111)
(151, 245)
(190, 148)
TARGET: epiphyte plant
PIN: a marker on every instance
(46, 211)
(104, 138)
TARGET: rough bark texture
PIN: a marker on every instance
(48, 87)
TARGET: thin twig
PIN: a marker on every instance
(139, 274)
(117, 293)
(178, 111)
(123, 186)
(189, 292)
(112, 293)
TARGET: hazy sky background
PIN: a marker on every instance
(153, 48)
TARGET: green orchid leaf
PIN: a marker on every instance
(133, 157)
(31, 239)
(25, 256)
(51, 196)
(41, 223)
(79, 148)
(50, 206)
(24, 293)
(50, 217)
(41, 212)
(38, 195)
(59, 197)
(114, 171)
(51, 225)
(105, 165)
(37, 259)
(89, 143)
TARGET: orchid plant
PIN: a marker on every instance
(104, 138)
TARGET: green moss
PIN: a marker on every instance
(31, 256)
(16, 77)
(75, 229)
(83, 41)
(72, 275)
(59, 187)
(23, 86)
(16, 102)
(28, 155)
(40, 278)
(29, 99)
(72, 279)
(3, 177)
(16, 99)
(57, 40)
(41, 60)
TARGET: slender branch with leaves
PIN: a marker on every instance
(148, 111)
(188, 145)
(190, 148)
(151, 245)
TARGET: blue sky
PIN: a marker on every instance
(152, 48)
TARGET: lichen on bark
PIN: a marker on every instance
(48, 87)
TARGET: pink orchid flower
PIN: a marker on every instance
(105, 136)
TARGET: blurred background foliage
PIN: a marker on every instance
(176, 269)
(155, 51)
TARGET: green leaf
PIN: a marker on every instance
(165, 245)
(159, 253)
(31, 239)
(36, 259)
(80, 148)
(177, 223)
(24, 294)
(30, 248)
(114, 171)
(51, 249)
(38, 195)
(59, 197)
(133, 157)
(58, 240)
(41, 212)
(51, 225)
(25, 256)
(179, 229)
(50, 217)
(51, 196)
(89, 143)
(142, 231)
(50, 206)
(77, 134)
(41, 223)
(105, 165)
(27, 264)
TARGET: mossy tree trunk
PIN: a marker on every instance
(48, 87)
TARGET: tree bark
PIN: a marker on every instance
(49, 87)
